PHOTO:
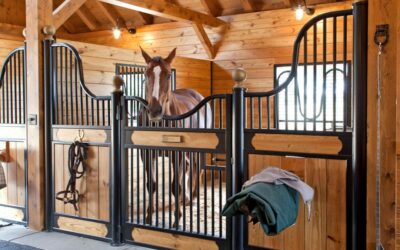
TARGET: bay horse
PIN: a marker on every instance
(163, 101)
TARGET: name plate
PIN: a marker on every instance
(171, 138)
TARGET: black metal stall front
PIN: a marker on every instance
(13, 198)
(168, 180)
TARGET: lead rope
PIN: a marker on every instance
(381, 38)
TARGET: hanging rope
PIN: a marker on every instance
(381, 38)
(77, 156)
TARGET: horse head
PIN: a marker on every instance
(158, 90)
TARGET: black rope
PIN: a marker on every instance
(77, 155)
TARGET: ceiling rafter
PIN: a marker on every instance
(212, 6)
(205, 41)
(167, 10)
(248, 5)
(291, 3)
(108, 11)
(65, 11)
(87, 18)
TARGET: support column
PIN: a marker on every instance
(38, 15)
(239, 223)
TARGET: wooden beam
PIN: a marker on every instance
(108, 11)
(65, 11)
(291, 3)
(38, 15)
(248, 5)
(205, 41)
(11, 32)
(167, 10)
(87, 18)
(146, 18)
(212, 6)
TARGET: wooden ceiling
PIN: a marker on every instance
(96, 15)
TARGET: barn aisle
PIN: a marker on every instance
(53, 240)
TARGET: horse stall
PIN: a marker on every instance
(153, 114)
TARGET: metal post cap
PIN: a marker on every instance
(239, 75)
(117, 83)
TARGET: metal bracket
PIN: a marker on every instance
(381, 36)
(32, 119)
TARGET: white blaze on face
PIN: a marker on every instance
(156, 86)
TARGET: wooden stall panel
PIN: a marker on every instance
(327, 227)
(93, 186)
(14, 169)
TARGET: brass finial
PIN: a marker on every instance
(117, 83)
(49, 31)
(239, 75)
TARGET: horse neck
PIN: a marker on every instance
(172, 107)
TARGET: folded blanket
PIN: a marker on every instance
(274, 206)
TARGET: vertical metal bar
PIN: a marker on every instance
(315, 77)
(239, 225)
(205, 198)
(251, 113)
(176, 181)
(48, 73)
(191, 190)
(71, 89)
(305, 81)
(324, 73)
(61, 85)
(15, 89)
(163, 188)
(20, 95)
(212, 203)
(116, 168)
(170, 155)
(78, 106)
(268, 114)
(138, 154)
(346, 83)
(183, 166)
(66, 85)
(334, 71)
(220, 201)
(358, 184)
(259, 113)
(11, 82)
(198, 190)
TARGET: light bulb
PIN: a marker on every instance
(116, 32)
(299, 13)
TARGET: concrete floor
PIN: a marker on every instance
(56, 241)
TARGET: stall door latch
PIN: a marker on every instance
(32, 119)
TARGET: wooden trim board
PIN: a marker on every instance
(12, 132)
(90, 135)
(172, 241)
(82, 226)
(297, 143)
(188, 139)
(11, 213)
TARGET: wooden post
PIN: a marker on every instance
(38, 15)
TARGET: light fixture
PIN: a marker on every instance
(299, 13)
(116, 30)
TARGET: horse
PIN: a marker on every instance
(163, 101)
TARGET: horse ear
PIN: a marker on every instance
(146, 56)
(171, 56)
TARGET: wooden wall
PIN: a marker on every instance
(93, 186)
(99, 67)
(327, 227)
(384, 12)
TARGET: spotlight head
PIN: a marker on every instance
(132, 31)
